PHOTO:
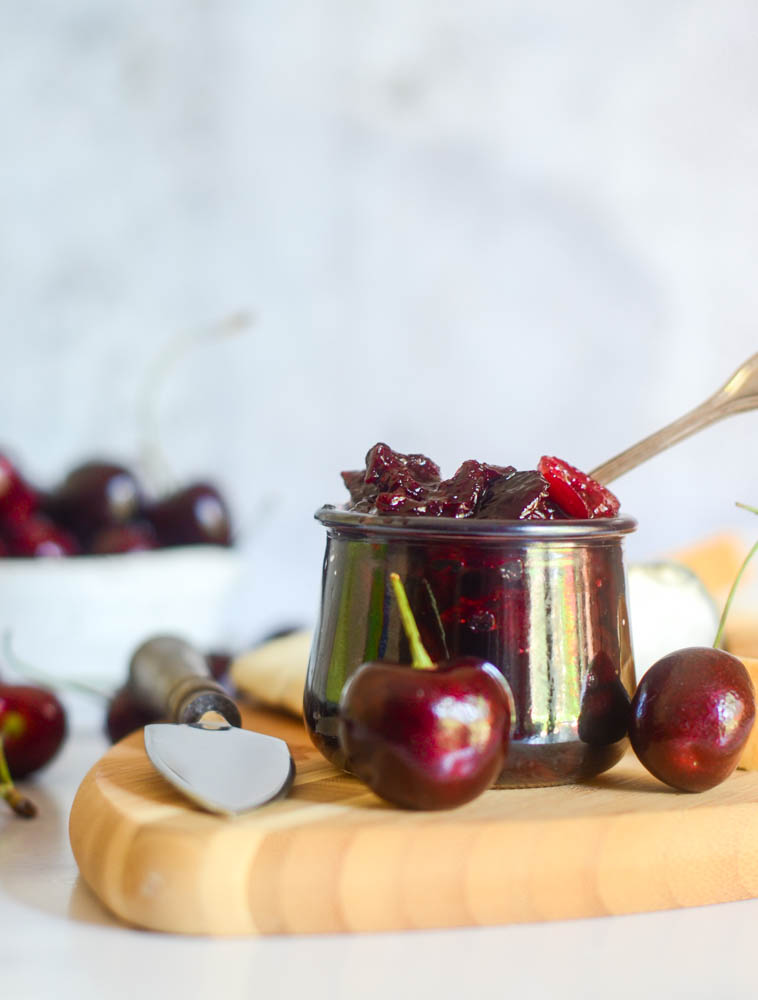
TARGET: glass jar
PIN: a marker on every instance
(545, 601)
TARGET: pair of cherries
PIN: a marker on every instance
(437, 735)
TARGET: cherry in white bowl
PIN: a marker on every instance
(91, 566)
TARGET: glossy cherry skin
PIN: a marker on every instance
(17, 498)
(39, 536)
(125, 714)
(33, 724)
(426, 739)
(137, 536)
(691, 715)
(95, 494)
(218, 664)
(195, 515)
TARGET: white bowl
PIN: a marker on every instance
(82, 617)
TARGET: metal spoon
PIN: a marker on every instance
(738, 394)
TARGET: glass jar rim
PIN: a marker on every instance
(390, 525)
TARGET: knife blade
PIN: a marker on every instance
(202, 751)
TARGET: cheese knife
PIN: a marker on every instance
(202, 751)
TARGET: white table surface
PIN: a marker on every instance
(56, 940)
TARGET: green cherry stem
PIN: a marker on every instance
(419, 656)
(37, 676)
(19, 803)
(153, 456)
(733, 590)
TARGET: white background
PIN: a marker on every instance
(494, 230)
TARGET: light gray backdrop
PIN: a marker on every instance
(489, 230)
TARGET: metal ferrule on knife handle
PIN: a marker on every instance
(172, 677)
(194, 697)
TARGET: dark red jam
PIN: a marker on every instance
(411, 485)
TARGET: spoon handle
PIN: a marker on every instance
(739, 394)
(667, 436)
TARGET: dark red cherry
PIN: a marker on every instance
(218, 664)
(195, 515)
(136, 536)
(690, 717)
(427, 735)
(33, 727)
(39, 536)
(94, 495)
(17, 498)
(126, 714)
(426, 739)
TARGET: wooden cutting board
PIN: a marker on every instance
(332, 857)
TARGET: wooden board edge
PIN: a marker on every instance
(380, 878)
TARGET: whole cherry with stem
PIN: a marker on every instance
(197, 513)
(32, 725)
(429, 735)
(154, 459)
(19, 803)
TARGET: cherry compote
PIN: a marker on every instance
(410, 485)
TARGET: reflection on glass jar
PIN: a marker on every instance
(542, 600)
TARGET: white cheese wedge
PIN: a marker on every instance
(669, 609)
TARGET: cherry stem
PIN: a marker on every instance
(19, 803)
(154, 460)
(437, 618)
(419, 656)
(31, 673)
(730, 598)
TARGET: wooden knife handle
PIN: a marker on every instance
(171, 677)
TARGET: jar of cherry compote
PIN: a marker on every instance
(545, 601)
